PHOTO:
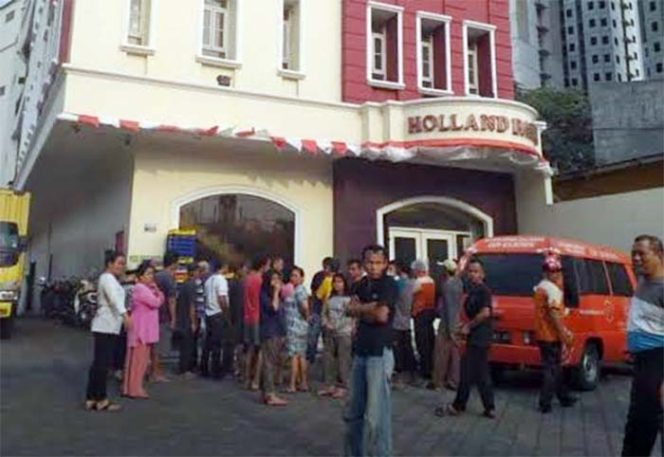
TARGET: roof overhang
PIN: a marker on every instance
(483, 133)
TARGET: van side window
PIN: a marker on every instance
(570, 283)
(619, 280)
(592, 277)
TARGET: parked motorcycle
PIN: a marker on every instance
(85, 303)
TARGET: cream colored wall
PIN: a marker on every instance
(99, 31)
(612, 220)
(162, 179)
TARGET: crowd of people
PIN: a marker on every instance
(258, 322)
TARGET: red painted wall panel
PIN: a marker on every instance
(355, 87)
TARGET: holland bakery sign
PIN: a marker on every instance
(430, 123)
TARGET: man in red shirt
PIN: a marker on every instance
(252, 340)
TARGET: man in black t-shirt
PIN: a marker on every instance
(479, 333)
(369, 410)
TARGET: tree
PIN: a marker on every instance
(568, 139)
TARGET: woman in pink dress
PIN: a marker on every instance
(144, 332)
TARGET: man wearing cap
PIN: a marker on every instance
(446, 363)
(551, 334)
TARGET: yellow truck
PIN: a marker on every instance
(14, 209)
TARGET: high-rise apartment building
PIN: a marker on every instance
(536, 44)
(652, 34)
(601, 41)
(574, 43)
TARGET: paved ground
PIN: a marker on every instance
(43, 371)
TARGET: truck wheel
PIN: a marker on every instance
(6, 327)
(587, 373)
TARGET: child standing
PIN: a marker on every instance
(337, 327)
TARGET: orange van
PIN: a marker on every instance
(598, 283)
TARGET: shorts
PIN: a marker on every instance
(252, 334)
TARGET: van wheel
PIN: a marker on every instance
(587, 373)
(6, 327)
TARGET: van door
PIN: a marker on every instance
(596, 309)
(621, 293)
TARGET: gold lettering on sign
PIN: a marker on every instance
(442, 127)
(487, 123)
(502, 124)
(430, 123)
(414, 124)
(473, 122)
(456, 127)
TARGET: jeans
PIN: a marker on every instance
(187, 351)
(104, 346)
(368, 413)
(120, 351)
(404, 356)
(425, 340)
(313, 336)
(644, 419)
(475, 371)
(552, 382)
(227, 346)
(212, 346)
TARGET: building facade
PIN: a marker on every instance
(652, 32)
(11, 13)
(601, 42)
(536, 44)
(342, 124)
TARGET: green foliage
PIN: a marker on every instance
(568, 139)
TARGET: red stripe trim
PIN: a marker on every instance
(167, 128)
(65, 31)
(129, 125)
(310, 146)
(208, 132)
(452, 143)
(88, 120)
(339, 147)
(279, 142)
(246, 133)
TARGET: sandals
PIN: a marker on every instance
(329, 392)
(274, 401)
(107, 405)
(339, 394)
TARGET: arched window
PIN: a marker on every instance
(237, 227)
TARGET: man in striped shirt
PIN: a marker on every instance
(645, 341)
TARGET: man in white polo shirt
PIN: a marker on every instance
(216, 306)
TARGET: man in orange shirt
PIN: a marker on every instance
(424, 313)
(551, 334)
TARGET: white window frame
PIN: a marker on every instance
(420, 15)
(146, 49)
(299, 73)
(491, 29)
(471, 55)
(382, 36)
(398, 10)
(236, 61)
(428, 45)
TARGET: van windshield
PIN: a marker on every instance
(9, 244)
(512, 274)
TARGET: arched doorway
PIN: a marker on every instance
(430, 228)
(237, 226)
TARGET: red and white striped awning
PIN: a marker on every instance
(447, 150)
